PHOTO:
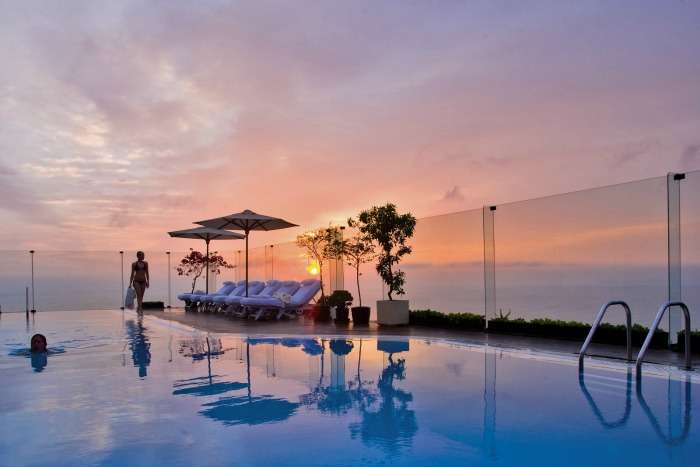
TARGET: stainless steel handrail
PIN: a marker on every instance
(655, 325)
(596, 323)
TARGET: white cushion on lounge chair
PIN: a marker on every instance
(238, 290)
(303, 295)
(222, 292)
(270, 288)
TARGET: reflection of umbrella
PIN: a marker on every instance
(202, 386)
(341, 347)
(206, 234)
(247, 221)
(240, 410)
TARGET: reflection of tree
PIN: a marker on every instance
(392, 425)
(139, 345)
(387, 420)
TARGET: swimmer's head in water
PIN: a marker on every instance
(38, 343)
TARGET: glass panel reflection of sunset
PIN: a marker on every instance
(564, 256)
(690, 243)
(123, 390)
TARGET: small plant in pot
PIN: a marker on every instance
(390, 231)
(357, 251)
(322, 310)
(340, 300)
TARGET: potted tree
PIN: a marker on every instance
(194, 264)
(340, 300)
(317, 244)
(389, 230)
(357, 251)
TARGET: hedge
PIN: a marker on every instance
(547, 328)
(435, 319)
(574, 330)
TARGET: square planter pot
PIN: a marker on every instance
(392, 312)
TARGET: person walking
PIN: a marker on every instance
(139, 278)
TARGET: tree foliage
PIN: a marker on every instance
(389, 230)
(319, 246)
(355, 251)
(194, 263)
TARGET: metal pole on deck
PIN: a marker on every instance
(272, 262)
(169, 288)
(121, 254)
(31, 253)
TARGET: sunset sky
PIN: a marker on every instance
(122, 120)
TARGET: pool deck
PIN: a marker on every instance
(225, 324)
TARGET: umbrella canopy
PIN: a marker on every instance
(246, 221)
(207, 234)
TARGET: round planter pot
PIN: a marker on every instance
(360, 315)
(342, 315)
(323, 313)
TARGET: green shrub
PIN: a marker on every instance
(435, 319)
(614, 334)
(574, 330)
(694, 341)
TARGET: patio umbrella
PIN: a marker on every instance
(247, 221)
(206, 234)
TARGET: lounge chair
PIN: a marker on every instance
(233, 304)
(191, 299)
(274, 305)
(253, 307)
(206, 301)
(217, 303)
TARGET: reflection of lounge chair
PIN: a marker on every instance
(191, 299)
(262, 307)
(233, 304)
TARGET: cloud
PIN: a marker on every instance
(454, 194)
(690, 156)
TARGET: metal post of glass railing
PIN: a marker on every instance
(33, 310)
(121, 254)
(169, 283)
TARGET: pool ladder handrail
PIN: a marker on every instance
(655, 325)
(596, 323)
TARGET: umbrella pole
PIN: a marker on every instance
(247, 362)
(246, 262)
(206, 264)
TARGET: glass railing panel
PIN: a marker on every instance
(563, 256)
(15, 280)
(445, 271)
(77, 280)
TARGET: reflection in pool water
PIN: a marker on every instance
(139, 345)
(206, 399)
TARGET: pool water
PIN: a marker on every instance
(121, 390)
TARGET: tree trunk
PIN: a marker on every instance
(359, 295)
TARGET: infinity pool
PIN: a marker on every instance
(119, 390)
